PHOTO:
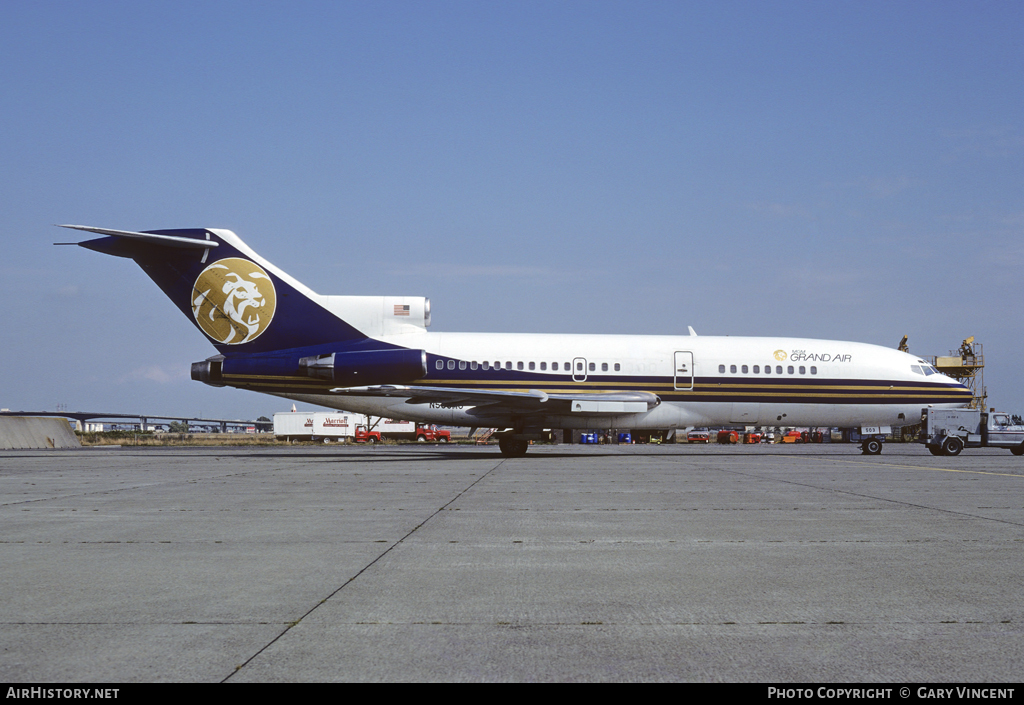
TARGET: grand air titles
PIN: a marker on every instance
(804, 356)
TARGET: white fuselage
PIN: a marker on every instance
(701, 380)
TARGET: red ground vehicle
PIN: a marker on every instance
(432, 434)
(726, 436)
(364, 436)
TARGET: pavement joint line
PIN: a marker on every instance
(362, 570)
(520, 625)
(913, 467)
(144, 485)
(868, 496)
(880, 499)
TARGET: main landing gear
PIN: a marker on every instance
(513, 447)
(872, 446)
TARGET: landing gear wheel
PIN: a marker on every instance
(512, 447)
(952, 446)
(871, 447)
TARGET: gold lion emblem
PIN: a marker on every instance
(233, 301)
(780, 355)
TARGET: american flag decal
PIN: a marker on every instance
(401, 310)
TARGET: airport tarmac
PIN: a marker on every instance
(576, 563)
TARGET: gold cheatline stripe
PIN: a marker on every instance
(669, 385)
(714, 389)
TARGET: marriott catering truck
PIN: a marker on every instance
(343, 426)
(949, 431)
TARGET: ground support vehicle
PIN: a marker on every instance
(316, 426)
(398, 430)
(870, 438)
(362, 435)
(726, 436)
(949, 431)
(326, 426)
(698, 435)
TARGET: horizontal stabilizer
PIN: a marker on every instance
(151, 238)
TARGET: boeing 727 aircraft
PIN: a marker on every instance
(374, 355)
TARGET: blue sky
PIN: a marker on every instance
(841, 170)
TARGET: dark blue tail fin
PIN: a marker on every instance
(241, 302)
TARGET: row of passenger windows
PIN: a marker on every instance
(767, 369)
(532, 366)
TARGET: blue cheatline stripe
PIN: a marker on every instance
(846, 391)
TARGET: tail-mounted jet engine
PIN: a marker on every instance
(358, 369)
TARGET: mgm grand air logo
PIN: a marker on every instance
(233, 301)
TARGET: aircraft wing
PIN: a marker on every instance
(486, 402)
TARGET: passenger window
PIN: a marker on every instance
(486, 365)
(508, 365)
(591, 366)
(604, 366)
(543, 366)
(767, 369)
(533, 366)
(439, 364)
(566, 366)
(744, 369)
(519, 365)
(732, 369)
(451, 364)
(757, 369)
(778, 369)
(473, 365)
(579, 366)
(803, 370)
(462, 364)
(554, 366)
(814, 370)
(721, 369)
(789, 369)
(618, 367)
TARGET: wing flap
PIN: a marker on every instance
(534, 401)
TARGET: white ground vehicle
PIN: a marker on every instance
(949, 431)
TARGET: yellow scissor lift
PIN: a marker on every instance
(967, 365)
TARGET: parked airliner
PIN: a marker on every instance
(374, 355)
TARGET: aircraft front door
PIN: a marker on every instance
(683, 369)
(579, 369)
